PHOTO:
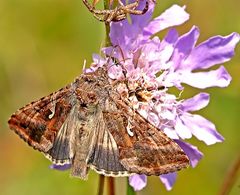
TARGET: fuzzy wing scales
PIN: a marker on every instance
(105, 155)
(149, 151)
(39, 122)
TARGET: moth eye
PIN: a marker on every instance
(83, 105)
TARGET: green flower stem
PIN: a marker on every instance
(130, 190)
(102, 177)
(111, 189)
(107, 38)
(107, 26)
(101, 184)
(230, 177)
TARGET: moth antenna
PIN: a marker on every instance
(114, 49)
(121, 52)
(118, 62)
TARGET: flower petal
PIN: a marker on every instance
(202, 80)
(60, 167)
(171, 37)
(173, 16)
(119, 32)
(166, 49)
(144, 19)
(191, 151)
(184, 46)
(170, 132)
(168, 180)
(215, 50)
(201, 128)
(153, 119)
(197, 102)
(182, 130)
(138, 182)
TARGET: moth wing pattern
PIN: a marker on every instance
(149, 151)
(62, 151)
(105, 156)
(39, 123)
(86, 125)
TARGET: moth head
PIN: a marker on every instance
(87, 97)
(88, 104)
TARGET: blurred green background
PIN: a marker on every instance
(42, 47)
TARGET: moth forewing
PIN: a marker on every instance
(148, 151)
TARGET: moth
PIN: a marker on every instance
(86, 123)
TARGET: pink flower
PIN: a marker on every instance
(158, 65)
(145, 61)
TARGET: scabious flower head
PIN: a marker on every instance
(157, 65)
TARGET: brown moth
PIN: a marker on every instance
(85, 124)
